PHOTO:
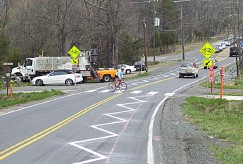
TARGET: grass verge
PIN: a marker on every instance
(20, 98)
(232, 84)
(222, 119)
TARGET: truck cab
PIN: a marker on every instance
(23, 72)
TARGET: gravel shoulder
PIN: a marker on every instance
(181, 141)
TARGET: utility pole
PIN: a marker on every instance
(182, 33)
(182, 29)
(154, 31)
(145, 43)
(155, 24)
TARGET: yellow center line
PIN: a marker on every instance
(9, 151)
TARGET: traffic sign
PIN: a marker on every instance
(207, 50)
(211, 79)
(74, 52)
(207, 63)
(7, 63)
(211, 72)
(74, 61)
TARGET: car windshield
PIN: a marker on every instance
(187, 65)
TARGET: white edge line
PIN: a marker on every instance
(150, 150)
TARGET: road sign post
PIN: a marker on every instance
(221, 81)
(74, 52)
(8, 74)
(207, 51)
(211, 78)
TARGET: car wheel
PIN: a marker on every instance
(69, 82)
(128, 71)
(39, 82)
(106, 78)
(196, 75)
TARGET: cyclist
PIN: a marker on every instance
(119, 77)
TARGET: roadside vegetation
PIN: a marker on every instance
(21, 98)
(221, 119)
(232, 84)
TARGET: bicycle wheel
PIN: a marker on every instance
(123, 86)
(112, 87)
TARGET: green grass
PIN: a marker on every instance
(143, 74)
(234, 84)
(228, 94)
(220, 118)
(15, 84)
(20, 98)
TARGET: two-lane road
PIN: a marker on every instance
(94, 126)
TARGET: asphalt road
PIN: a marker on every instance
(93, 125)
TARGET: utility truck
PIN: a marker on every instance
(39, 66)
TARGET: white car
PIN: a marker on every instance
(188, 69)
(218, 47)
(223, 44)
(58, 77)
(227, 42)
(127, 68)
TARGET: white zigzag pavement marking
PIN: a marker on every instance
(136, 92)
(152, 93)
(78, 144)
(104, 91)
(91, 91)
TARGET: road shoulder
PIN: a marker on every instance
(181, 141)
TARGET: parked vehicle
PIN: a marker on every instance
(140, 66)
(105, 75)
(218, 47)
(234, 51)
(58, 77)
(215, 63)
(223, 44)
(188, 69)
(127, 68)
(39, 66)
(227, 42)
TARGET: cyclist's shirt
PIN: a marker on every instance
(119, 74)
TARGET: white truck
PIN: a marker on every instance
(39, 66)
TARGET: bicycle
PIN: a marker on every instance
(122, 87)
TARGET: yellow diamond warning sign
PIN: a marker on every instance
(207, 50)
(74, 52)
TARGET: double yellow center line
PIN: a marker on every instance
(13, 149)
